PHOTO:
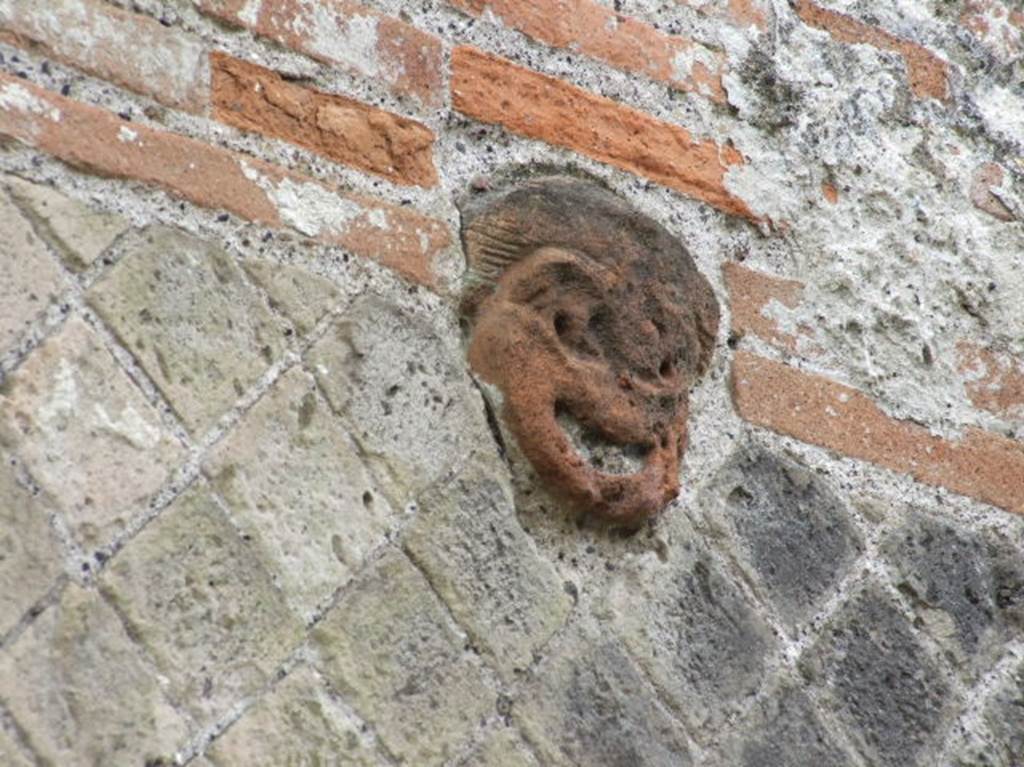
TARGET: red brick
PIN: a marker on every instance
(256, 99)
(596, 31)
(98, 141)
(125, 48)
(830, 193)
(987, 176)
(819, 411)
(993, 381)
(927, 73)
(339, 32)
(494, 90)
(750, 296)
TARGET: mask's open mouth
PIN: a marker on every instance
(605, 456)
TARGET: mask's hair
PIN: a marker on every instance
(503, 227)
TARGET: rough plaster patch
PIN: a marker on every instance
(306, 206)
(351, 41)
(14, 97)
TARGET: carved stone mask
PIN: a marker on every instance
(593, 322)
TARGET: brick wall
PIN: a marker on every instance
(256, 510)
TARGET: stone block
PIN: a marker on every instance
(299, 294)
(999, 741)
(80, 689)
(30, 556)
(185, 310)
(588, 704)
(30, 278)
(86, 433)
(784, 729)
(12, 753)
(299, 722)
(403, 392)
(79, 233)
(967, 586)
(390, 648)
(692, 629)
(470, 544)
(502, 748)
(795, 534)
(296, 487)
(198, 598)
(877, 677)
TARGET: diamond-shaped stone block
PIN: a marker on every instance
(86, 433)
(185, 310)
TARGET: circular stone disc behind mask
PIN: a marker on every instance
(593, 321)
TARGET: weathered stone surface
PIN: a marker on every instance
(784, 730)
(29, 553)
(299, 294)
(298, 723)
(86, 433)
(406, 399)
(589, 314)
(503, 748)
(79, 233)
(794, 531)
(78, 686)
(198, 328)
(11, 753)
(886, 690)
(295, 485)
(590, 705)
(1004, 717)
(195, 594)
(959, 579)
(469, 542)
(30, 279)
(390, 648)
(692, 629)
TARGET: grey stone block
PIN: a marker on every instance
(793, 530)
(965, 583)
(893, 699)
(480, 561)
(589, 705)
(692, 629)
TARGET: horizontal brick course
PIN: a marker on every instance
(751, 295)
(599, 32)
(257, 99)
(928, 74)
(134, 51)
(405, 59)
(98, 141)
(494, 90)
(819, 411)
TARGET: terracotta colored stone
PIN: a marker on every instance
(494, 90)
(752, 293)
(601, 33)
(987, 176)
(96, 140)
(257, 99)
(819, 411)
(993, 381)
(594, 322)
(125, 48)
(928, 74)
(407, 61)
(830, 193)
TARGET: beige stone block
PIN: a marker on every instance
(469, 542)
(299, 294)
(197, 596)
(294, 483)
(198, 328)
(30, 278)
(298, 723)
(80, 233)
(30, 557)
(83, 694)
(86, 433)
(402, 390)
(390, 648)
